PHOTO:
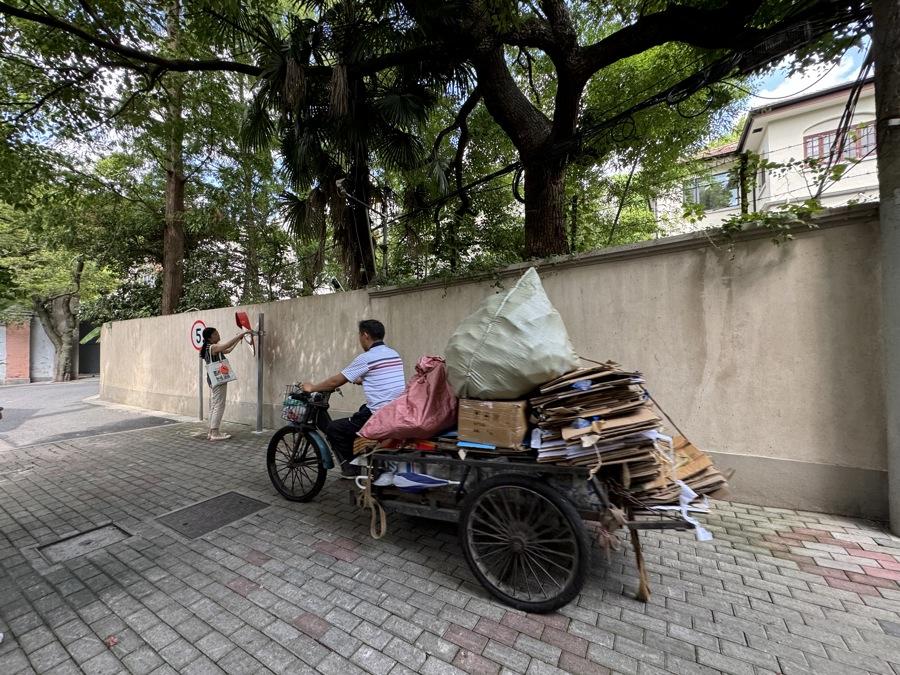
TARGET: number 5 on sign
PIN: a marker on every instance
(197, 334)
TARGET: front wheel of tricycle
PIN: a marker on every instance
(525, 542)
(294, 463)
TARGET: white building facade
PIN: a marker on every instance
(788, 134)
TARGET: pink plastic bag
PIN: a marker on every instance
(426, 408)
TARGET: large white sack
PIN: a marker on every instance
(512, 343)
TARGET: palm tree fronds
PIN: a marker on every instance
(402, 109)
(258, 127)
(305, 218)
(400, 149)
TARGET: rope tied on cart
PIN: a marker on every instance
(613, 519)
(367, 500)
(590, 441)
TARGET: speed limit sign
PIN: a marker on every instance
(197, 334)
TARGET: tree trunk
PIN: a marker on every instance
(251, 291)
(356, 223)
(59, 317)
(886, 43)
(545, 220)
(743, 180)
(64, 364)
(573, 224)
(251, 287)
(453, 237)
(535, 138)
(359, 244)
(46, 317)
(173, 234)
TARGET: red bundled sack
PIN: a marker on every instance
(425, 409)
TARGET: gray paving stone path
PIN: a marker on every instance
(55, 411)
(302, 588)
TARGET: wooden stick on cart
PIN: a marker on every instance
(643, 592)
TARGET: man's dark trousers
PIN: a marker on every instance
(341, 433)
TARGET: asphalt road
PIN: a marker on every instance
(45, 413)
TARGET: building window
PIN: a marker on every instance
(860, 143)
(718, 191)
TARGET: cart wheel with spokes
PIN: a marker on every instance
(294, 463)
(525, 542)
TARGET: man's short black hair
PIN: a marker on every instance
(373, 328)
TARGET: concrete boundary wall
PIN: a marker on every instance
(767, 356)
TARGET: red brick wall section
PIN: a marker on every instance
(18, 351)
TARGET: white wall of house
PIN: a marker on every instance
(777, 135)
(43, 355)
(782, 141)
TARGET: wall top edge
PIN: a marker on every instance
(834, 217)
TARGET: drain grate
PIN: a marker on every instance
(195, 521)
(82, 543)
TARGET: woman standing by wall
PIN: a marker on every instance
(210, 352)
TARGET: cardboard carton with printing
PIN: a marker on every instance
(500, 423)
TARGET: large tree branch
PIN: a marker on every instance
(526, 126)
(37, 304)
(533, 32)
(437, 55)
(561, 23)
(76, 275)
(58, 89)
(567, 105)
(710, 28)
(771, 46)
(151, 208)
(554, 35)
(461, 116)
(465, 203)
(177, 65)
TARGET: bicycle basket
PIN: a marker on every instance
(295, 408)
(299, 407)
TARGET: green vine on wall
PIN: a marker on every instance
(819, 173)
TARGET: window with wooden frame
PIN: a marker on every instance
(860, 143)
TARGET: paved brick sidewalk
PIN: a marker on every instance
(300, 588)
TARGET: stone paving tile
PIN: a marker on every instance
(302, 588)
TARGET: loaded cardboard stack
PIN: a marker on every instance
(692, 466)
(515, 346)
(602, 417)
(599, 417)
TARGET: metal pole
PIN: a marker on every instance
(200, 390)
(259, 372)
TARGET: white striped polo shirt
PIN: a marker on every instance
(381, 372)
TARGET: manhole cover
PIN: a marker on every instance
(195, 521)
(83, 543)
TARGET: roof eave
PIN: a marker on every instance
(762, 110)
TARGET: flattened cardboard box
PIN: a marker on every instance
(500, 423)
